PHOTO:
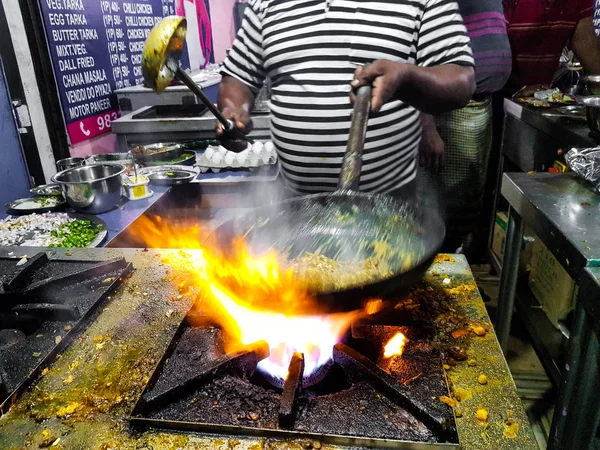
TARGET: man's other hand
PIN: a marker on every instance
(239, 116)
(431, 148)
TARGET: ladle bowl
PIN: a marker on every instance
(160, 64)
(162, 52)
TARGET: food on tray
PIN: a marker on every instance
(75, 233)
(545, 99)
(321, 273)
(534, 102)
(185, 158)
(558, 97)
(47, 201)
(140, 150)
(47, 230)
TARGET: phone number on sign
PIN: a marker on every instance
(92, 126)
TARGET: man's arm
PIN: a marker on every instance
(585, 46)
(431, 147)
(432, 90)
(243, 71)
(235, 101)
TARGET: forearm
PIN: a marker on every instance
(434, 90)
(233, 94)
(427, 122)
(586, 47)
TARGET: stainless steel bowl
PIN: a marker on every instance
(69, 163)
(592, 112)
(92, 189)
(593, 84)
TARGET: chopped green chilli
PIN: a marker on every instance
(77, 233)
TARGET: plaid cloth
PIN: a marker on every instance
(467, 136)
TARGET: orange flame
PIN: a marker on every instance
(395, 346)
(252, 298)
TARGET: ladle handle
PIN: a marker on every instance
(352, 162)
(228, 125)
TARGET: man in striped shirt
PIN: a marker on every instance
(415, 53)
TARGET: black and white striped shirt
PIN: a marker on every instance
(310, 50)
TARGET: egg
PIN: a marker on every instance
(269, 146)
(258, 147)
(221, 151)
(209, 152)
(241, 157)
(229, 158)
(253, 160)
(217, 159)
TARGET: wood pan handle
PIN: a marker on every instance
(352, 163)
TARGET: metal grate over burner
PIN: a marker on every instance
(363, 400)
(44, 304)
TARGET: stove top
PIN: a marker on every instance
(44, 304)
(363, 399)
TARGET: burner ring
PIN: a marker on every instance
(314, 378)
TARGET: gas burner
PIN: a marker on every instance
(44, 304)
(363, 398)
(307, 380)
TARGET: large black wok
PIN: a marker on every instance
(348, 225)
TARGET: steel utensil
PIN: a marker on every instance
(592, 83)
(69, 163)
(159, 152)
(592, 112)
(92, 189)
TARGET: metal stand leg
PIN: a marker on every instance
(579, 335)
(508, 280)
(582, 424)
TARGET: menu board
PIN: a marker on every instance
(96, 47)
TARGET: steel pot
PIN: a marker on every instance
(92, 189)
(69, 163)
(592, 112)
(592, 83)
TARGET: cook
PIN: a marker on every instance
(416, 54)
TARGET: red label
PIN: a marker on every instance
(84, 129)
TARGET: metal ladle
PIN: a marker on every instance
(160, 65)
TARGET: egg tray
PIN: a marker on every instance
(251, 160)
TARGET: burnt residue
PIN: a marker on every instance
(345, 403)
(142, 326)
(49, 313)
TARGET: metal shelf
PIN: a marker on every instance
(495, 262)
(545, 338)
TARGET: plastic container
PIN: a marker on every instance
(137, 188)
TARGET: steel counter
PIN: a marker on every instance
(530, 142)
(563, 211)
(207, 189)
(531, 139)
(578, 424)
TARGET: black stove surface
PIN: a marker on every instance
(363, 400)
(44, 304)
